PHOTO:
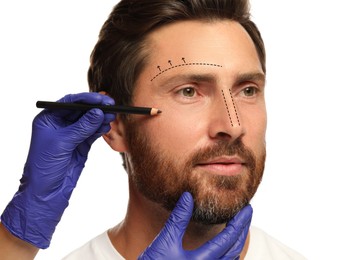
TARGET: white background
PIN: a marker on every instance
(44, 54)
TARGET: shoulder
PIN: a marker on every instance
(263, 246)
(99, 247)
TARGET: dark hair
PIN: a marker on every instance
(120, 53)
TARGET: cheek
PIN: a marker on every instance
(175, 132)
(255, 124)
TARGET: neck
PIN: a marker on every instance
(145, 219)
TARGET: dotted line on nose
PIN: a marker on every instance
(228, 111)
(234, 106)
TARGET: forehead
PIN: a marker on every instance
(186, 44)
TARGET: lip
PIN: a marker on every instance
(225, 165)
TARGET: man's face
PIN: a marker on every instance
(210, 138)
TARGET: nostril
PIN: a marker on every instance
(222, 135)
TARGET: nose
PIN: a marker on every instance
(226, 121)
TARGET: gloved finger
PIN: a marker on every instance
(180, 216)
(105, 126)
(234, 252)
(170, 237)
(108, 118)
(226, 239)
(86, 98)
(84, 128)
(103, 129)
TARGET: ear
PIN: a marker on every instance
(116, 136)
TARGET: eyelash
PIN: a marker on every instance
(255, 90)
(184, 98)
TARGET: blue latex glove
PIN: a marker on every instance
(228, 244)
(60, 142)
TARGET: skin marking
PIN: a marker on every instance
(183, 64)
(228, 111)
(234, 106)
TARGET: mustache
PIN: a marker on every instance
(223, 148)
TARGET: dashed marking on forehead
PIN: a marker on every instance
(183, 65)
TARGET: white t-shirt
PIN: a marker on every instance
(261, 247)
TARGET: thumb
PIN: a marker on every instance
(180, 216)
(229, 243)
(167, 244)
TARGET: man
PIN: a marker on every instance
(202, 63)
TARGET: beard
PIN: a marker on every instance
(162, 178)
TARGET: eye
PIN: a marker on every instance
(250, 91)
(188, 92)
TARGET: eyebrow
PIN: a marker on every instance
(253, 76)
(212, 78)
(194, 77)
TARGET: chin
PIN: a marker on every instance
(219, 208)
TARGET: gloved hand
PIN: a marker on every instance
(228, 244)
(60, 142)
